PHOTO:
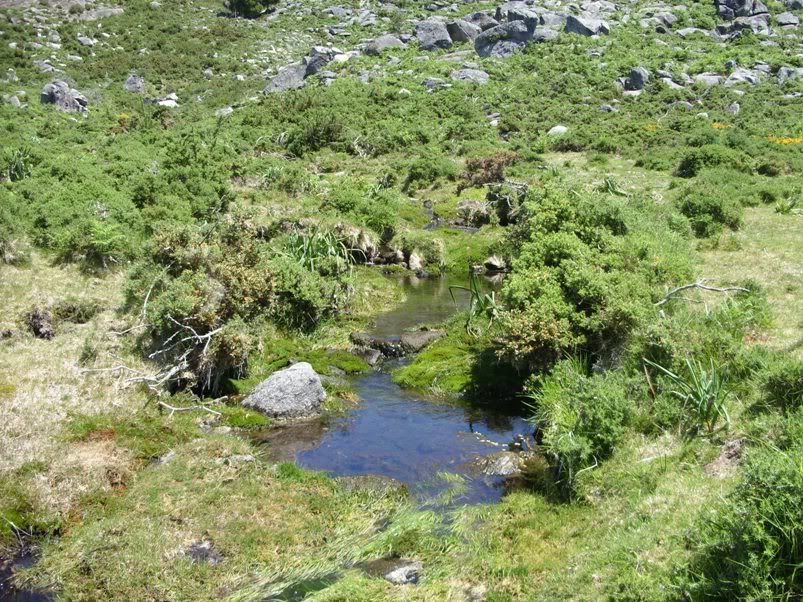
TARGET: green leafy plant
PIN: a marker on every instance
(702, 390)
(319, 250)
(788, 206)
(18, 164)
(481, 304)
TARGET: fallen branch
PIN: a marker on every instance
(700, 284)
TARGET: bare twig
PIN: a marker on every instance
(700, 284)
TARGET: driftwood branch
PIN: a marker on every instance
(700, 284)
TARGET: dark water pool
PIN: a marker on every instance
(435, 448)
(8, 591)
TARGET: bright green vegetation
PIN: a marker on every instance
(199, 252)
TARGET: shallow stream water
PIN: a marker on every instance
(433, 447)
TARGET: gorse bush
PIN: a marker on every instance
(581, 281)
(709, 210)
(783, 385)
(711, 155)
(580, 418)
(208, 289)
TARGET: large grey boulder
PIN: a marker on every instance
(482, 20)
(786, 74)
(531, 18)
(294, 392)
(475, 76)
(289, 78)
(462, 31)
(787, 20)
(317, 58)
(638, 78)
(585, 25)
(503, 40)
(59, 93)
(432, 34)
(382, 43)
(742, 76)
(730, 9)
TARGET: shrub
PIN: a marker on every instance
(485, 170)
(753, 550)
(709, 210)
(711, 155)
(210, 288)
(783, 385)
(581, 418)
(13, 246)
(250, 8)
(576, 285)
(427, 168)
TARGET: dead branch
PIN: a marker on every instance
(700, 284)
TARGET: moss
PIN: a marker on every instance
(148, 434)
(242, 418)
(7, 391)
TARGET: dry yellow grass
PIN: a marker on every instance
(44, 383)
(770, 251)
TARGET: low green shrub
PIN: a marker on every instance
(753, 548)
(250, 8)
(580, 418)
(428, 168)
(708, 210)
(783, 385)
(711, 155)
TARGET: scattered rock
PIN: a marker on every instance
(413, 342)
(415, 262)
(586, 26)
(59, 93)
(482, 20)
(462, 31)
(495, 264)
(787, 19)
(475, 76)
(727, 461)
(134, 84)
(290, 393)
(289, 78)
(558, 130)
(203, 551)
(85, 41)
(504, 40)
(638, 79)
(382, 43)
(368, 355)
(407, 573)
(40, 322)
(502, 464)
(432, 35)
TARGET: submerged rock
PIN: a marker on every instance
(294, 392)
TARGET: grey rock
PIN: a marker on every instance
(432, 35)
(462, 31)
(317, 58)
(787, 19)
(59, 93)
(708, 79)
(503, 40)
(134, 84)
(290, 393)
(495, 264)
(224, 112)
(586, 25)
(733, 108)
(413, 342)
(101, 12)
(608, 109)
(794, 4)
(289, 78)
(203, 552)
(475, 76)
(639, 77)
(531, 18)
(407, 573)
(382, 43)
(742, 76)
(85, 41)
(338, 11)
(368, 355)
(44, 66)
(558, 130)
(503, 464)
(786, 74)
(730, 9)
(14, 102)
(482, 20)
(552, 20)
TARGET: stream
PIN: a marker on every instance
(435, 448)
